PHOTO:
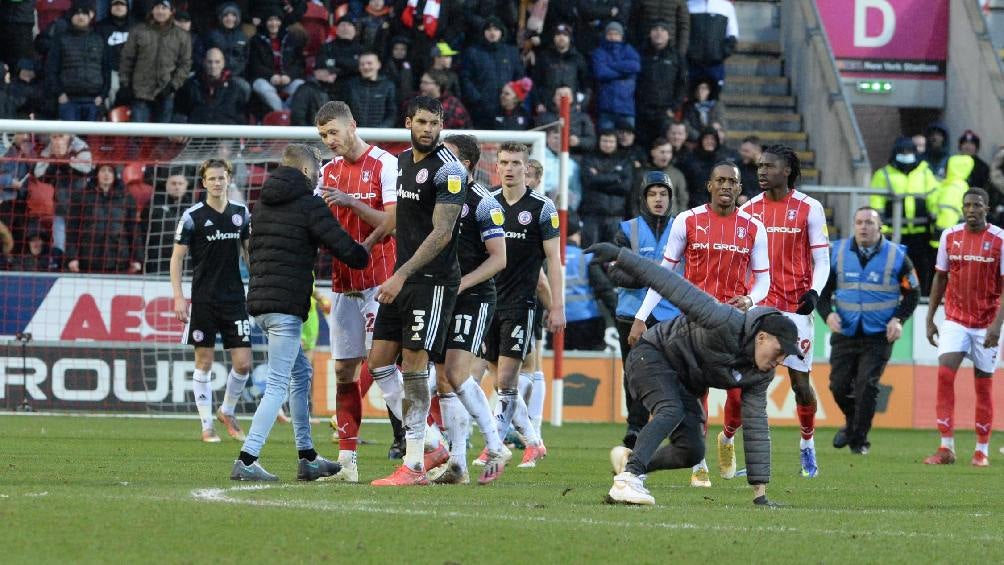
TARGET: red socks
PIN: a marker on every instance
(733, 412)
(365, 379)
(945, 407)
(435, 413)
(984, 408)
(807, 419)
(349, 413)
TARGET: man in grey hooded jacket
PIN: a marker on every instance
(676, 361)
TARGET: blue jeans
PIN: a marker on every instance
(289, 371)
(698, 71)
(610, 120)
(159, 111)
(79, 110)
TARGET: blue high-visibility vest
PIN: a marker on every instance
(580, 304)
(643, 243)
(866, 296)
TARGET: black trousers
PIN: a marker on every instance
(637, 413)
(856, 365)
(918, 247)
(677, 414)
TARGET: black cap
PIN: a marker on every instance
(784, 330)
(84, 6)
(183, 16)
(971, 137)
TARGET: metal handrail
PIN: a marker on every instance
(896, 198)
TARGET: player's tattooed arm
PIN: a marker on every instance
(444, 218)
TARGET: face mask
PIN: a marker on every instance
(906, 158)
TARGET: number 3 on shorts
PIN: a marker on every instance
(419, 324)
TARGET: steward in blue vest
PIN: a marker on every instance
(645, 235)
(872, 290)
(589, 296)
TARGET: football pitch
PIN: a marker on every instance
(129, 490)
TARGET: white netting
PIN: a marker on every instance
(103, 339)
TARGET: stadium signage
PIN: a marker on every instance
(109, 378)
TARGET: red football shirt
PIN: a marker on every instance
(973, 263)
(371, 179)
(795, 226)
(721, 254)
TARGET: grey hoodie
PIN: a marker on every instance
(711, 345)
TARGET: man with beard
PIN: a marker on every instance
(416, 301)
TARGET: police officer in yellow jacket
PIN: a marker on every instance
(912, 178)
(945, 204)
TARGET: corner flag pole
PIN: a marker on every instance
(558, 386)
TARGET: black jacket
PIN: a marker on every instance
(201, 102)
(288, 224)
(234, 45)
(77, 65)
(346, 55)
(660, 83)
(260, 62)
(712, 345)
(708, 44)
(162, 216)
(102, 230)
(373, 102)
(306, 101)
(605, 193)
(114, 32)
(555, 69)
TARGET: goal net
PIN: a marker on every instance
(87, 277)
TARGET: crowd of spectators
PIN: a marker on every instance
(643, 79)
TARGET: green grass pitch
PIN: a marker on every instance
(129, 490)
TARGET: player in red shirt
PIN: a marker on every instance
(724, 252)
(968, 275)
(359, 185)
(800, 261)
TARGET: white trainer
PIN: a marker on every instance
(629, 489)
(618, 458)
(349, 472)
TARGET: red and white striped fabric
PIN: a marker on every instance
(372, 180)
(721, 254)
(795, 227)
(430, 16)
(973, 263)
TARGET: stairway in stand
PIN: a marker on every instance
(758, 101)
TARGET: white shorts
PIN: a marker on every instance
(953, 337)
(351, 323)
(806, 336)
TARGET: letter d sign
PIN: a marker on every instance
(861, 37)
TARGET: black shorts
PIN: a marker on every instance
(538, 322)
(229, 319)
(472, 315)
(418, 317)
(510, 334)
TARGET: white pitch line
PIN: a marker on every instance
(220, 495)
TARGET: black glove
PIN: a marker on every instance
(604, 251)
(807, 303)
(762, 501)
